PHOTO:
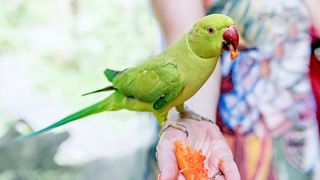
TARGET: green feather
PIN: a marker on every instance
(111, 74)
(108, 88)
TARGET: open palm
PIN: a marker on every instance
(201, 135)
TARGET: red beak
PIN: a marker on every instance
(231, 41)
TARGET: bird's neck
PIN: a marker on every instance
(198, 69)
(191, 59)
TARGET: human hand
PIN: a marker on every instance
(201, 135)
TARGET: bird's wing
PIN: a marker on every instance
(157, 83)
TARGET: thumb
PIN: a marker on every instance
(180, 177)
(167, 160)
(167, 163)
(167, 174)
(166, 154)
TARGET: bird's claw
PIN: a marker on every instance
(175, 124)
(194, 116)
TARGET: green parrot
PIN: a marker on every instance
(166, 80)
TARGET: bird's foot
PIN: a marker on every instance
(194, 116)
(175, 124)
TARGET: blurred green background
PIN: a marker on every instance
(51, 52)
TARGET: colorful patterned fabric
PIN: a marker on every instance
(315, 69)
(266, 107)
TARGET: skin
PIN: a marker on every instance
(209, 140)
(175, 22)
(175, 18)
(313, 7)
(164, 81)
(202, 101)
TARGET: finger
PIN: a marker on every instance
(213, 172)
(218, 150)
(181, 177)
(229, 169)
(166, 153)
(206, 148)
(217, 175)
(220, 177)
(214, 131)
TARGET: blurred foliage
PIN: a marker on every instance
(75, 40)
(64, 46)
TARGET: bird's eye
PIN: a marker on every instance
(211, 30)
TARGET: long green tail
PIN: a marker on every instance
(104, 105)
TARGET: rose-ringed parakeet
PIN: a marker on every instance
(168, 79)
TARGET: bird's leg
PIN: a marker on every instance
(165, 123)
(194, 116)
(187, 113)
(180, 108)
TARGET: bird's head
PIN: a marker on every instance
(212, 35)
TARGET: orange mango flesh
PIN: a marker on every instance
(191, 163)
(234, 53)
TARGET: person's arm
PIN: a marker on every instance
(176, 17)
(313, 7)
